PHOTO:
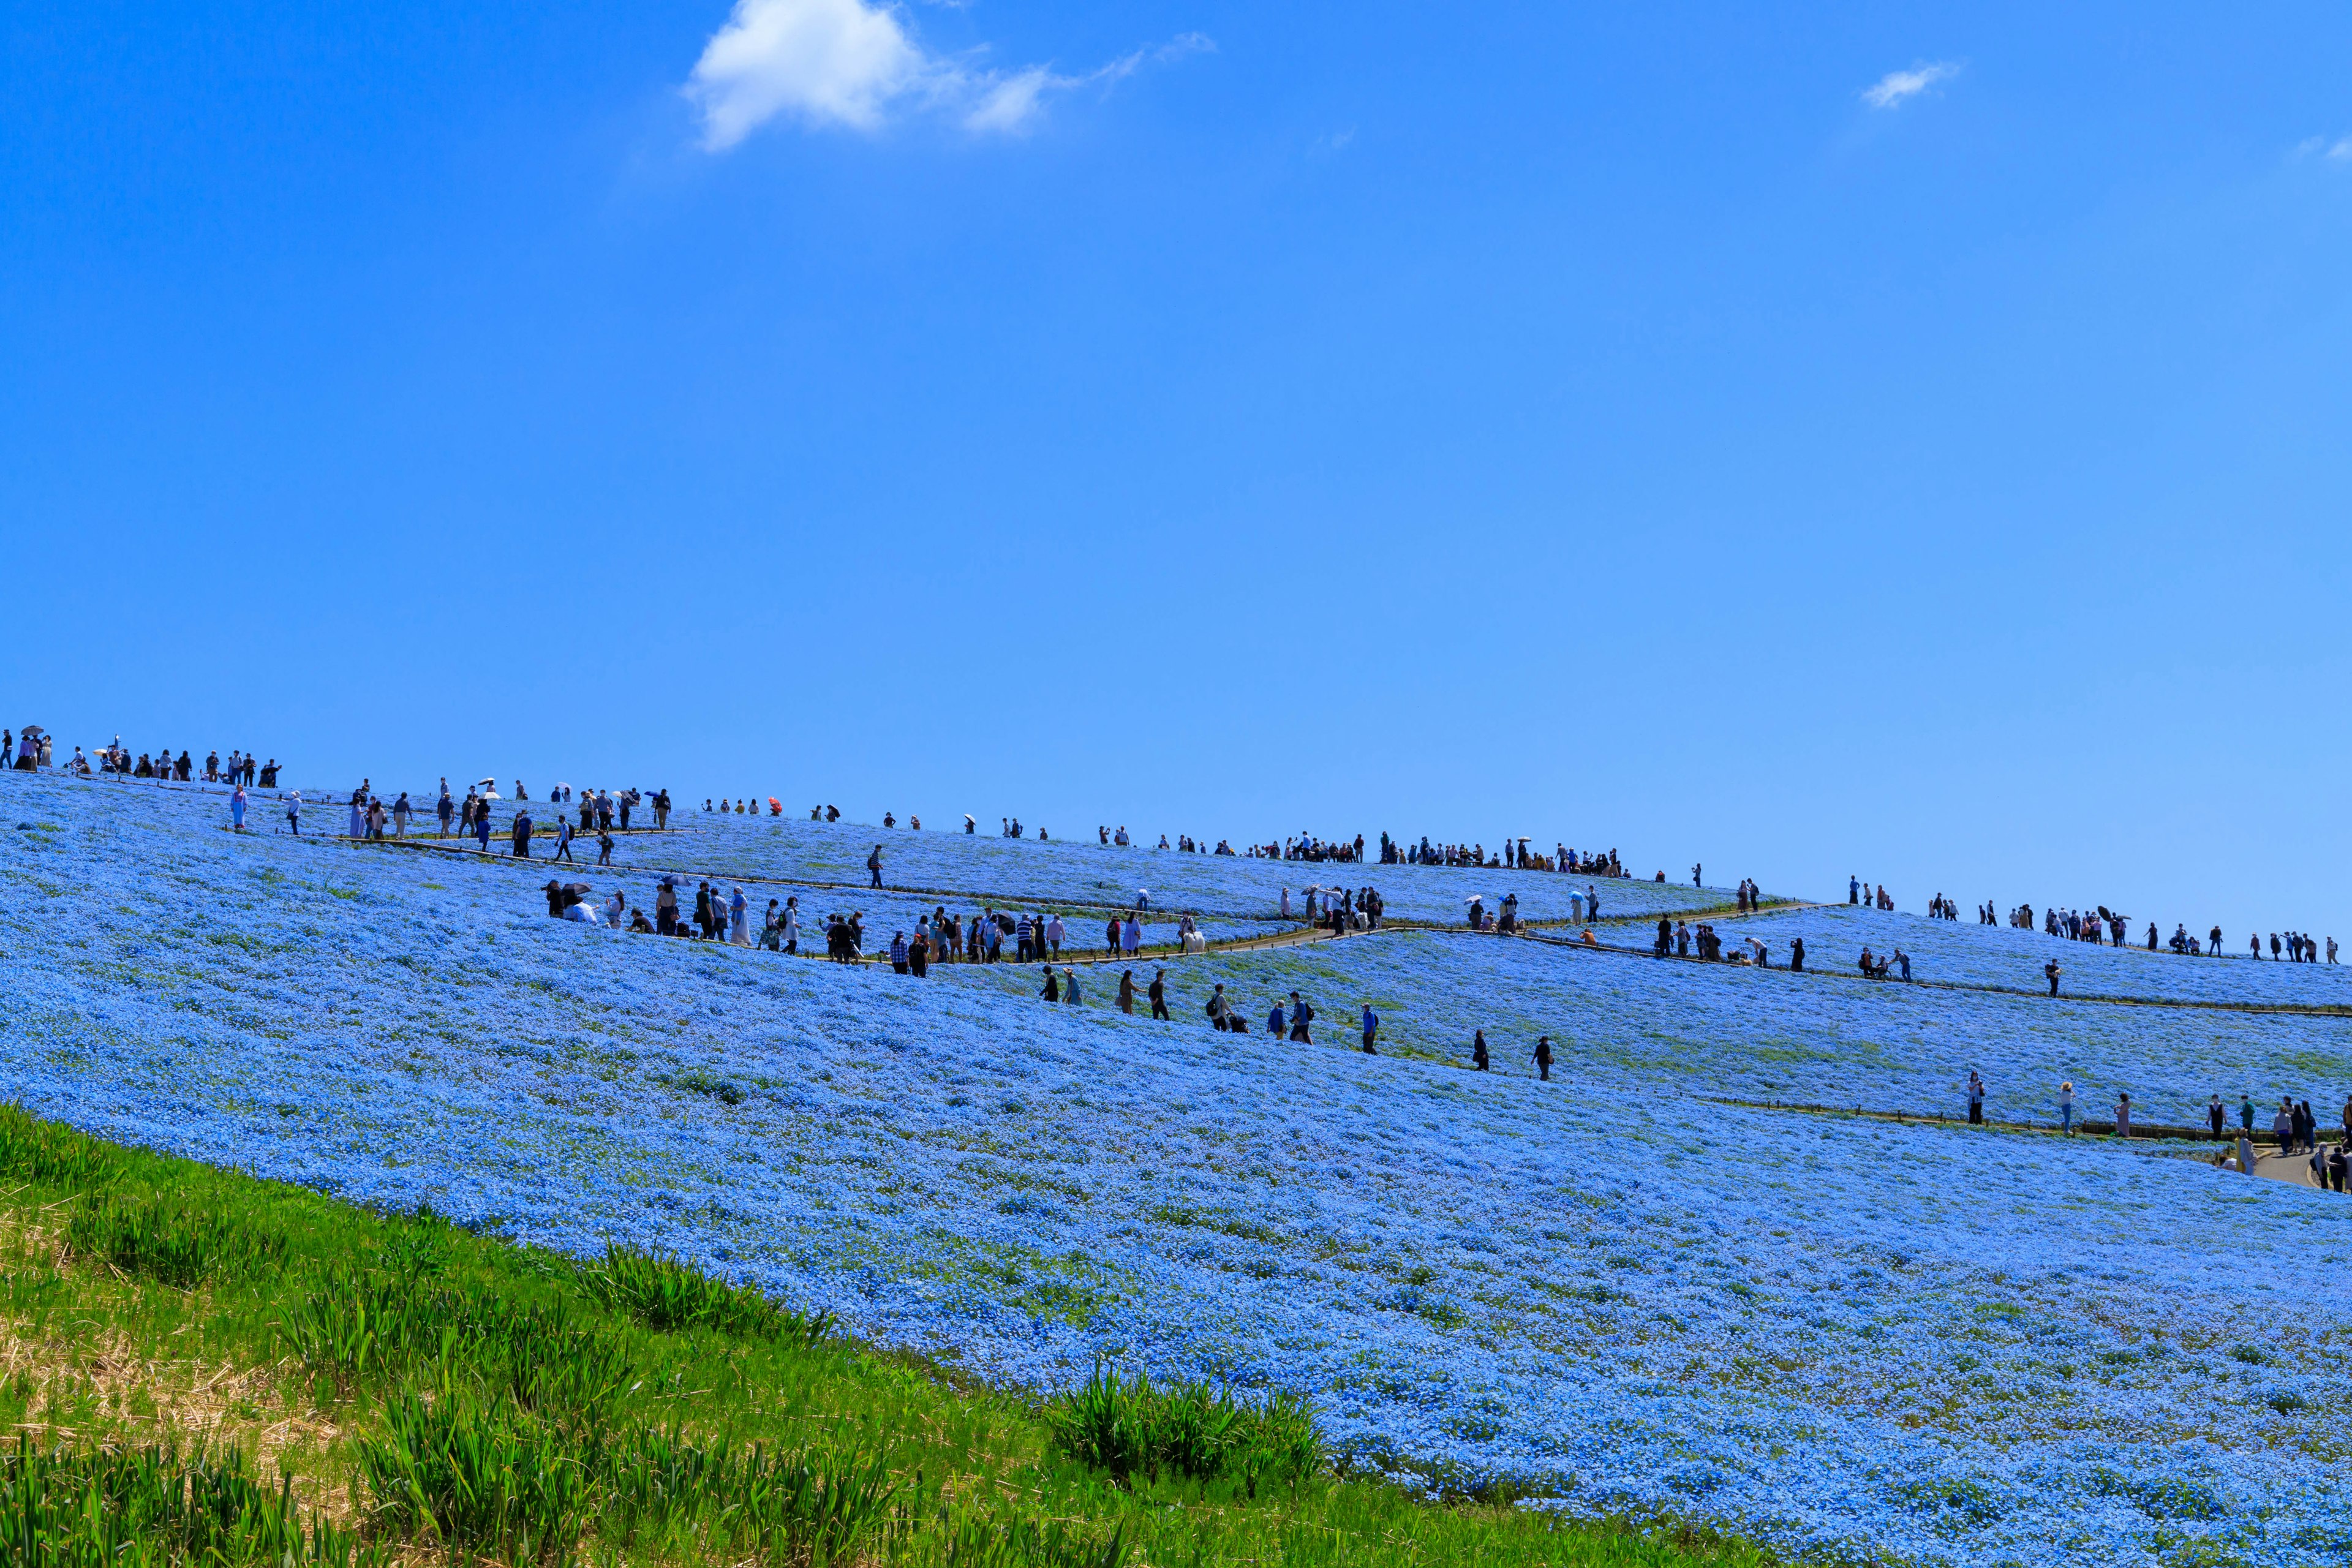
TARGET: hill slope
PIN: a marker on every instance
(1836, 1335)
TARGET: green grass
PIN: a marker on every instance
(414, 1392)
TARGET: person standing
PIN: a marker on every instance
(1055, 933)
(1276, 1023)
(738, 925)
(1797, 954)
(2123, 1116)
(1665, 937)
(873, 865)
(294, 814)
(1158, 992)
(445, 809)
(2066, 1107)
(1975, 1099)
(1052, 990)
(1132, 936)
(1542, 1056)
(2215, 1115)
(1127, 991)
(792, 918)
(1852, 889)
(1069, 986)
(2050, 973)
(522, 835)
(1371, 1029)
(1479, 1057)
(400, 812)
(236, 810)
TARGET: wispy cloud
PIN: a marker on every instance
(2338, 150)
(1897, 88)
(855, 63)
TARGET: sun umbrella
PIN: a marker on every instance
(1474, 899)
(35, 731)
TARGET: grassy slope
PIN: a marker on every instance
(101, 1355)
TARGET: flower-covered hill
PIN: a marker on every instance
(1969, 953)
(1840, 1336)
(1684, 1029)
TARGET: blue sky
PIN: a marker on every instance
(1903, 440)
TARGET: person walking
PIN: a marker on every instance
(1126, 993)
(2050, 973)
(1976, 1100)
(1543, 1058)
(1371, 1029)
(2123, 1116)
(2066, 1107)
(1055, 931)
(563, 840)
(1069, 986)
(1479, 1057)
(791, 923)
(1276, 1023)
(1301, 1016)
(522, 835)
(1158, 992)
(445, 809)
(603, 847)
(874, 865)
(482, 826)
(1131, 936)
(1052, 990)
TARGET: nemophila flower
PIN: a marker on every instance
(1837, 1336)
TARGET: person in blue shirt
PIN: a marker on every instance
(1371, 1029)
(1853, 891)
(1275, 1022)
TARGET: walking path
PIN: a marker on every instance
(2294, 1169)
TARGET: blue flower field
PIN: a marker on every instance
(1611, 1292)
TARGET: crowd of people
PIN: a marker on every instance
(1513, 855)
(34, 749)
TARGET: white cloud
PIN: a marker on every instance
(1893, 89)
(852, 62)
(1011, 102)
(830, 61)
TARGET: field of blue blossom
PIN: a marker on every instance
(1672, 1032)
(1998, 955)
(1847, 1338)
